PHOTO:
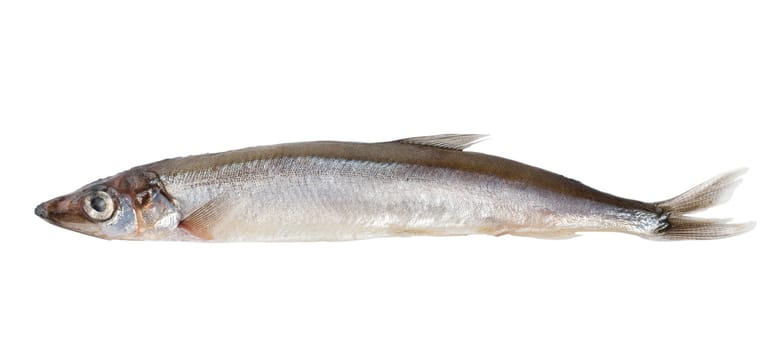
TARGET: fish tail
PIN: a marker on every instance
(676, 225)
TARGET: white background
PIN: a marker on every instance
(640, 99)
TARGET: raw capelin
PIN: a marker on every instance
(333, 191)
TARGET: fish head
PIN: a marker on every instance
(130, 206)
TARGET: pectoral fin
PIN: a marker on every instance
(202, 222)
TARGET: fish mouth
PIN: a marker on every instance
(65, 212)
(48, 210)
(42, 212)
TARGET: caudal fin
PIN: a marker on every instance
(679, 226)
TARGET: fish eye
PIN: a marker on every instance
(99, 205)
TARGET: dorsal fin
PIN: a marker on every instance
(457, 142)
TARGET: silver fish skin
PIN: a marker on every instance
(336, 191)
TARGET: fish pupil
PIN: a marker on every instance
(98, 204)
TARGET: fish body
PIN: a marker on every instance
(333, 191)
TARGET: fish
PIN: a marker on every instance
(340, 191)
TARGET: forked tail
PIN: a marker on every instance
(678, 226)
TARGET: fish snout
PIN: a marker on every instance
(60, 211)
(41, 211)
